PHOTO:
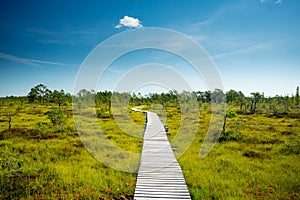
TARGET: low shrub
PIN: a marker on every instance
(288, 133)
(19, 132)
(27, 133)
(57, 117)
(229, 135)
(103, 113)
(231, 114)
(292, 147)
(261, 140)
(255, 154)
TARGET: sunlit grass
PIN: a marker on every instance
(262, 161)
(255, 166)
(60, 166)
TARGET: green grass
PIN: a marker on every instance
(263, 162)
(57, 169)
(258, 157)
(41, 163)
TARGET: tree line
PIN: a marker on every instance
(41, 94)
(256, 102)
(247, 104)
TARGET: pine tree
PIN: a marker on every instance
(297, 96)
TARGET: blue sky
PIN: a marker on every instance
(254, 44)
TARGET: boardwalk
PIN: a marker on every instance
(159, 175)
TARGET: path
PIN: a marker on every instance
(159, 176)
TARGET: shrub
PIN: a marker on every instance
(22, 184)
(57, 118)
(292, 147)
(261, 140)
(103, 113)
(288, 133)
(9, 161)
(231, 114)
(35, 111)
(229, 135)
(255, 154)
(19, 132)
(41, 133)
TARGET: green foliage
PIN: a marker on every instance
(231, 114)
(41, 94)
(229, 135)
(297, 97)
(19, 132)
(291, 147)
(257, 157)
(12, 180)
(38, 93)
(9, 161)
(255, 99)
(59, 169)
(255, 154)
(252, 153)
(103, 112)
(58, 97)
(231, 96)
(57, 117)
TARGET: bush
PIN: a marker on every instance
(17, 179)
(35, 111)
(57, 118)
(261, 140)
(18, 132)
(21, 184)
(288, 133)
(103, 113)
(231, 114)
(255, 154)
(41, 133)
(229, 136)
(9, 161)
(292, 147)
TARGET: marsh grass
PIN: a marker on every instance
(258, 158)
(39, 162)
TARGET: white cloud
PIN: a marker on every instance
(130, 22)
(17, 59)
(202, 23)
(26, 61)
(243, 50)
(276, 1)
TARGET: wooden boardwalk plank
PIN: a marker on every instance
(159, 176)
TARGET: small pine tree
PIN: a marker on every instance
(57, 118)
(297, 96)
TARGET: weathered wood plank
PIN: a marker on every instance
(159, 176)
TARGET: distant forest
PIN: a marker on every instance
(257, 102)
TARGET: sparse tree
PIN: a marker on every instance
(217, 96)
(38, 93)
(208, 96)
(241, 99)
(10, 112)
(297, 98)
(286, 104)
(231, 97)
(57, 118)
(255, 99)
(58, 97)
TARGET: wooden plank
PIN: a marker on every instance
(159, 176)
